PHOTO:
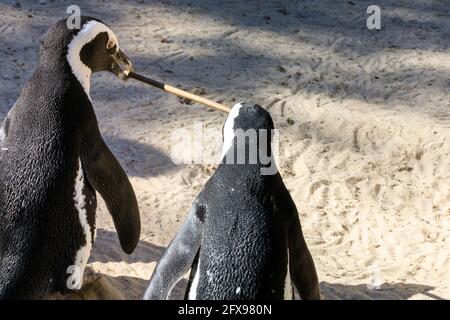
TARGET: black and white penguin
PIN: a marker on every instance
(53, 160)
(242, 237)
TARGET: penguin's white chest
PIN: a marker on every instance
(79, 198)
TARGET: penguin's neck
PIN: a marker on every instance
(61, 59)
(240, 152)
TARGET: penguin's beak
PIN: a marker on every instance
(121, 65)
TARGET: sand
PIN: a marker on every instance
(364, 119)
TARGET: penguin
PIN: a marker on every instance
(53, 160)
(242, 237)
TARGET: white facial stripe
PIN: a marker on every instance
(228, 131)
(89, 31)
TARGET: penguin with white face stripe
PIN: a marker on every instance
(53, 160)
(242, 236)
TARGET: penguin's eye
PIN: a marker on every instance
(110, 44)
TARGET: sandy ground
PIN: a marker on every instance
(364, 119)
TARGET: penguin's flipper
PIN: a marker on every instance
(301, 265)
(105, 174)
(178, 257)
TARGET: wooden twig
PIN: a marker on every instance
(178, 92)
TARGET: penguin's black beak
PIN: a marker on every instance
(121, 65)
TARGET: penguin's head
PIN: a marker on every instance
(247, 118)
(91, 48)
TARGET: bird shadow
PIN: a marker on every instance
(139, 159)
(387, 291)
(107, 249)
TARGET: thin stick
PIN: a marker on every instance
(178, 92)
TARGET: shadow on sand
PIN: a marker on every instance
(388, 291)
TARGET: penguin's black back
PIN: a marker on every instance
(243, 254)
